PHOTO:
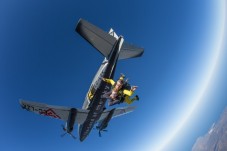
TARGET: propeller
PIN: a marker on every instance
(63, 127)
(72, 136)
(62, 135)
(100, 134)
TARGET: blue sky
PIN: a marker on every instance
(43, 59)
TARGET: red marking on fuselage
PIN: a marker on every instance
(50, 113)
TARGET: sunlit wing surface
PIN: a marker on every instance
(58, 112)
(81, 116)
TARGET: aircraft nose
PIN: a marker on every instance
(81, 139)
(79, 130)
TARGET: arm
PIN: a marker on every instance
(110, 81)
(128, 92)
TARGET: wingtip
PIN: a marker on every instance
(21, 103)
(79, 22)
(77, 25)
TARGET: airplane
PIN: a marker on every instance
(113, 48)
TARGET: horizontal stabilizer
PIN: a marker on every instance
(104, 42)
(99, 39)
(130, 51)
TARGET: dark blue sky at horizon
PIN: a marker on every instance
(43, 59)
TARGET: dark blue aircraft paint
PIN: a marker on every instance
(96, 107)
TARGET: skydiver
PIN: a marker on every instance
(124, 97)
(119, 92)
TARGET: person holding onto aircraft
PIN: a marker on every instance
(116, 87)
(124, 96)
(119, 92)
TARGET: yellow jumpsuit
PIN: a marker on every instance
(127, 93)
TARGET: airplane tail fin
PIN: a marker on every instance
(104, 41)
(127, 50)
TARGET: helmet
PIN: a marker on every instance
(121, 78)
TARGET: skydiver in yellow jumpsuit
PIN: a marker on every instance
(119, 91)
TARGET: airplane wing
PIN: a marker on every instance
(58, 112)
(117, 112)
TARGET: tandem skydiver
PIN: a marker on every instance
(121, 91)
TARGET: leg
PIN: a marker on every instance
(128, 100)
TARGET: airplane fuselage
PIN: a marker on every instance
(94, 100)
(93, 110)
